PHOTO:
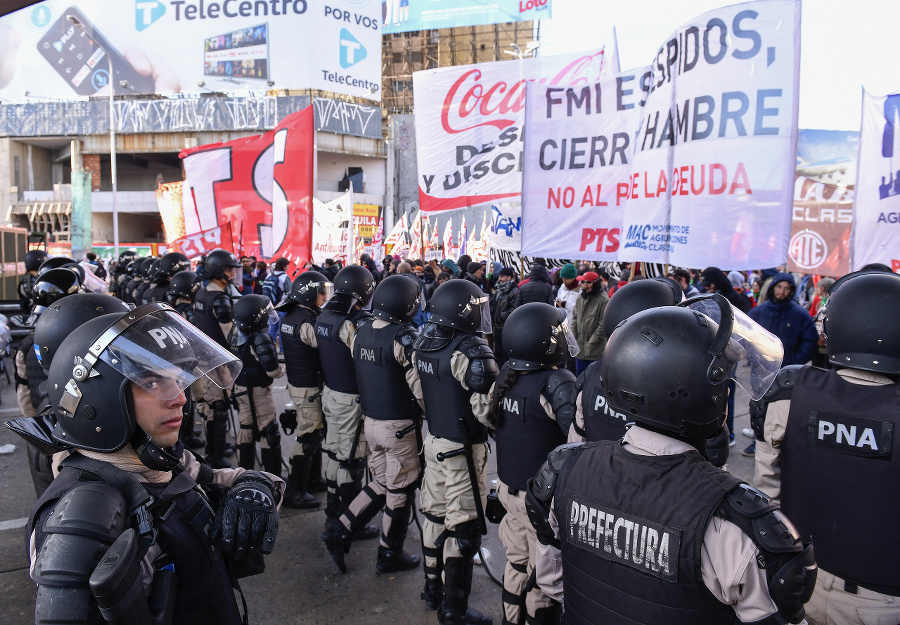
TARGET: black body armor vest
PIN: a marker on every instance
(524, 432)
(445, 398)
(301, 362)
(183, 518)
(252, 374)
(186, 310)
(335, 356)
(631, 529)
(156, 293)
(383, 391)
(205, 319)
(601, 421)
(840, 473)
(129, 288)
(139, 291)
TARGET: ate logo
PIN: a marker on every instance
(352, 51)
(146, 12)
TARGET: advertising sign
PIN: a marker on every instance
(820, 228)
(712, 172)
(876, 229)
(400, 16)
(62, 48)
(261, 185)
(469, 122)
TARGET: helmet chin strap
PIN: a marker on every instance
(150, 455)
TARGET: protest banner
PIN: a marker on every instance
(577, 166)
(820, 228)
(712, 170)
(366, 224)
(475, 113)
(876, 235)
(331, 228)
(200, 243)
(261, 185)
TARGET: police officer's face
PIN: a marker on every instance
(229, 273)
(160, 419)
(320, 300)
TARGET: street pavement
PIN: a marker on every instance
(300, 585)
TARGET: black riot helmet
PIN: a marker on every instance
(637, 296)
(34, 259)
(305, 290)
(132, 269)
(667, 368)
(536, 336)
(54, 285)
(353, 285)
(152, 347)
(458, 304)
(184, 284)
(217, 262)
(170, 264)
(63, 317)
(127, 256)
(860, 328)
(253, 313)
(152, 270)
(397, 299)
(54, 263)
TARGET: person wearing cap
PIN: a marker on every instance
(568, 292)
(475, 275)
(506, 298)
(587, 320)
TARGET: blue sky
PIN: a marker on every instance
(845, 45)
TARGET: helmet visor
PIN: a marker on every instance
(485, 326)
(164, 354)
(273, 316)
(754, 353)
(564, 328)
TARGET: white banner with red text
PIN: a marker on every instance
(331, 229)
(876, 227)
(260, 185)
(469, 125)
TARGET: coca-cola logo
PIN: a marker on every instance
(470, 103)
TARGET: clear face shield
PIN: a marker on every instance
(566, 331)
(484, 326)
(158, 350)
(749, 354)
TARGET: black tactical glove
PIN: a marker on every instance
(247, 520)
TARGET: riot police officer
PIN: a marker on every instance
(532, 408)
(168, 266)
(135, 273)
(120, 275)
(456, 368)
(33, 261)
(645, 529)
(148, 278)
(157, 547)
(391, 397)
(345, 443)
(301, 305)
(250, 341)
(825, 437)
(214, 314)
(180, 296)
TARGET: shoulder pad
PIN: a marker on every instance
(560, 391)
(781, 389)
(407, 337)
(360, 318)
(85, 521)
(772, 531)
(544, 482)
(482, 371)
(266, 351)
(223, 308)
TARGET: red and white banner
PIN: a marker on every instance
(331, 229)
(876, 227)
(820, 230)
(712, 171)
(475, 113)
(261, 186)
(200, 243)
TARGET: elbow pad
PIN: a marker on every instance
(79, 531)
(266, 351)
(407, 338)
(541, 489)
(782, 388)
(560, 391)
(482, 370)
(223, 309)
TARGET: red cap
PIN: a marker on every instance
(589, 276)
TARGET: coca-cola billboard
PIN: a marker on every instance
(469, 123)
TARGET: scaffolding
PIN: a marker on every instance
(405, 53)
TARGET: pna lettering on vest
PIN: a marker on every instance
(626, 539)
(850, 435)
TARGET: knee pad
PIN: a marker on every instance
(272, 435)
(468, 538)
(310, 443)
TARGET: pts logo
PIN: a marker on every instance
(352, 51)
(146, 12)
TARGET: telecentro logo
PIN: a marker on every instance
(146, 12)
(352, 51)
